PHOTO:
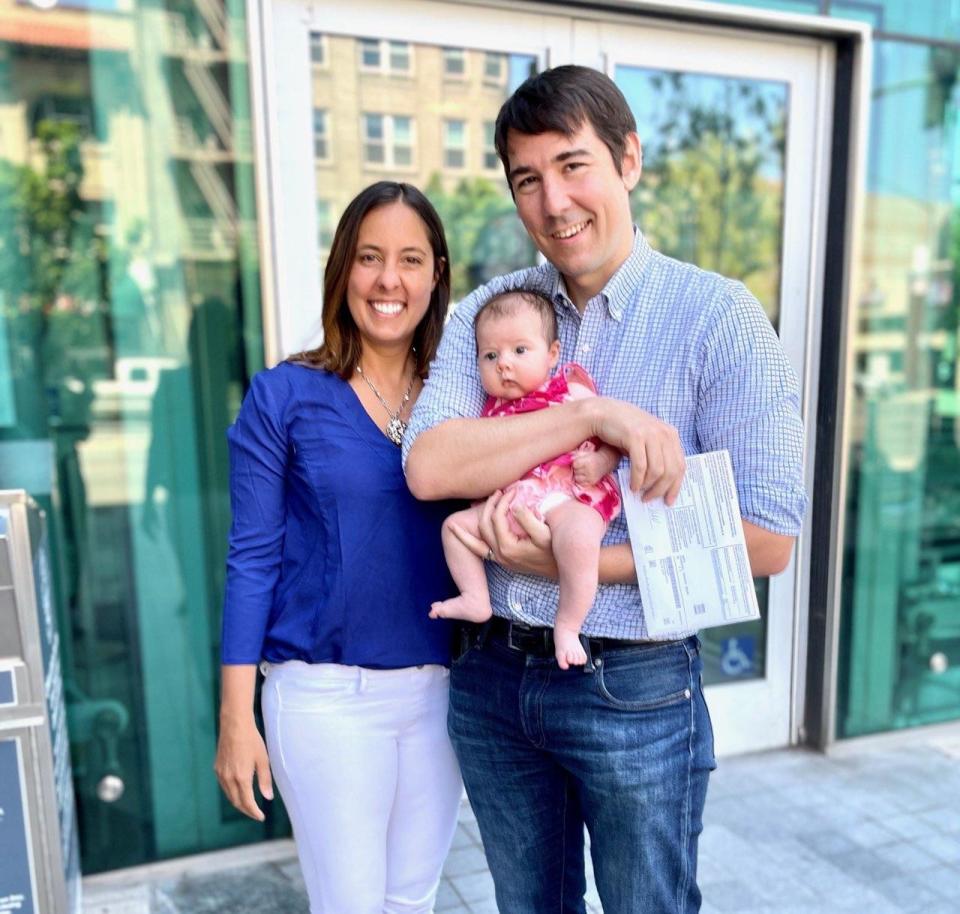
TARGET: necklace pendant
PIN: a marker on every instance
(395, 429)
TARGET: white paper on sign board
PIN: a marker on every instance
(692, 565)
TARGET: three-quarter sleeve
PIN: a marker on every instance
(749, 404)
(258, 443)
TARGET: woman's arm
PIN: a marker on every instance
(241, 754)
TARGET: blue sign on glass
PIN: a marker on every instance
(17, 883)
(8, 688)
(736, 655)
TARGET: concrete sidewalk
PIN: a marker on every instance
(873, 827)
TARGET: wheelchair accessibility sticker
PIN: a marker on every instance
(736, 655)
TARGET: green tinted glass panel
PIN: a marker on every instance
(429, 132)
(937, 19)
(712, 194)
(900, 636)
(129, 325)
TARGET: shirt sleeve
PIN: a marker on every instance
(258, 462)
(452, 389)
(749, 404)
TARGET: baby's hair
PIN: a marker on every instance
(510, 301)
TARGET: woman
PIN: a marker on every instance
(332, 569)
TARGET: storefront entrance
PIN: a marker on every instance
(736, 129)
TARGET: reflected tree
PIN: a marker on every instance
(712, 184)
(484, 234)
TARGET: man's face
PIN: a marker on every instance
(574, 203)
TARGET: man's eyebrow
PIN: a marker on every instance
(519, 170)
(571, 154)
(560, 157)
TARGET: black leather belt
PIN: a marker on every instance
(538, 642)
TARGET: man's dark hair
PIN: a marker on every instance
(560, 101)
(510, 301)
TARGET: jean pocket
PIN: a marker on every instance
(631, 689)
(460, 661)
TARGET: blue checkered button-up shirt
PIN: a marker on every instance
(690, 347)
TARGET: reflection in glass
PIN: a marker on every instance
(711, 193)
(937, 20)
(129, 323)
(900, 636)
(713, 172)
(430, 125)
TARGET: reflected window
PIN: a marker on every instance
(318, 49)
(388, 140)
(370, 58)
(325, 225)
(491, 160)
(394, 57)
(455, 144)
(321, 135)
(495, 68)
(454, 63)
(400, 57)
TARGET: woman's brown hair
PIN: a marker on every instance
(340, 350)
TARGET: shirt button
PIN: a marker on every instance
(584, 348)
(516, 606)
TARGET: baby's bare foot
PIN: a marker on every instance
(463, 607)
(569, 650)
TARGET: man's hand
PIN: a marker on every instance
(530, 554)
(657, 462)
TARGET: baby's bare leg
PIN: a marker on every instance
(576, 530)
(467, 571)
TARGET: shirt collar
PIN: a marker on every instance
(620, 289)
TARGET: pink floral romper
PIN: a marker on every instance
(551, 483)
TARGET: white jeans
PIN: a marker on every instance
(368, 776)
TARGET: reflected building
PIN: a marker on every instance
(125, 150)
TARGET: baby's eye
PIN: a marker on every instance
(520, 350)
(489, 356)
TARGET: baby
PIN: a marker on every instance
(573, 494)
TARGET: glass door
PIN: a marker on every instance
(733, 129)
(734, 135)
(408, 93)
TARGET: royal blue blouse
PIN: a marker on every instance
(331, 559)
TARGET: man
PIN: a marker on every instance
(685, 361)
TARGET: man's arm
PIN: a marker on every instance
(750, 405)
(769, 552)
(450, 453)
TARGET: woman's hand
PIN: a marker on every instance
(526, 555)
(241, 754)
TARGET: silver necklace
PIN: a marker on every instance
(396, 426)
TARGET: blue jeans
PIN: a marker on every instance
(627, 745)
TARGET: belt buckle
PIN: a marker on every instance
(519, 629)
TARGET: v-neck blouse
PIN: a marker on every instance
(331, 559)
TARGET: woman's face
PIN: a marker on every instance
(392, 277)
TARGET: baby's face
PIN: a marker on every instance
(513, 354)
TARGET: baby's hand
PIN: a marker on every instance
(589, 467)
